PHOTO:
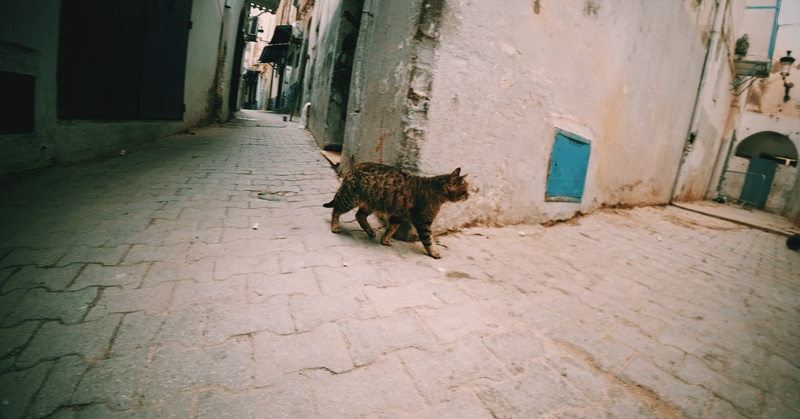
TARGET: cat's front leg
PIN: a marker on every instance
(424, 231)
(335, 227)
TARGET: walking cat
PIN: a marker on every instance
(398, 195)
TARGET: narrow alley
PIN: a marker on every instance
(197, 277)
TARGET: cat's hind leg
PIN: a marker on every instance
(361, 217)
(394, 223)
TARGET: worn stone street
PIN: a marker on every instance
(198, 278)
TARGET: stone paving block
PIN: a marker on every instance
(437, 371)
(118, 300)
(370, 338)
(188, 293)
(375, 388)
(691, 399)
(712, 356)
(179, 407)
(333, 280)
(59, 386)
(18, 388)
(664, 356)
(54, 279)
(145, 253)
(721, 409)
(108, 256)
(592, 318)
(261, 287)
(775, 408)
(528, 395)
(515, 349)
(286, 400)
(448, 292)
(66, 413)
(198, 271)
(648, 325)
(387, 300)
(590, 382)
(309, 311)
(54, 340)
(452, 322)
(787, 390)
(115, 381)
(40, 304)
(783, 367)
(9, 302)
(606, 354)
(745, 397)
(12, 338)
(460, 405)
(323, 347)
(178, 369)
(227, 267)
(38, 257)
(110, 276)
(225, 321)
(140, 330)
(402, 272)
(292, 261)
(679, 338)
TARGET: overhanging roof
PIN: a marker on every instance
(267, 4)
(273, 53)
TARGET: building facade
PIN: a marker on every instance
(91, 78)
(553, 108)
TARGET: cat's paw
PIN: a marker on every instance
(336, 229)
(434, 254)
(386, 241)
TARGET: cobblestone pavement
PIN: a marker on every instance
(198, 278)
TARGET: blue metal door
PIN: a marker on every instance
(568, 166)
(758, 181)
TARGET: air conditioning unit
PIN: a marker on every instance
(251, 30)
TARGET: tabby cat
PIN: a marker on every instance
(398, 195)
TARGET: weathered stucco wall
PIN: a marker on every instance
(507, 74)
(28, 34)
(712, 124)
(333, 38)
(731, 186)
(29, 45)
(782, 185)
(379, 97)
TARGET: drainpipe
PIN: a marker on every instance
(716, 29)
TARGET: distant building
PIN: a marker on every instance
(87, 78)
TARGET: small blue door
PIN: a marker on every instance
(758, 181)
(568, 166)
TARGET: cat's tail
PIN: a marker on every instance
(328, 205)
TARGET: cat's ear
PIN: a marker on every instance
(457, 172)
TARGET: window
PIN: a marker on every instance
(568, 165)
(17, 111)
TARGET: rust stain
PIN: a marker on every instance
(379, 148)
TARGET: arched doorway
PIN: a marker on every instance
(766, 166)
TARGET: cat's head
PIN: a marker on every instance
(456, 188)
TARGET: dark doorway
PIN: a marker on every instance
(122, 59)
(349, 25)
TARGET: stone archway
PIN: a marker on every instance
(762, 171)
(767, 144)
